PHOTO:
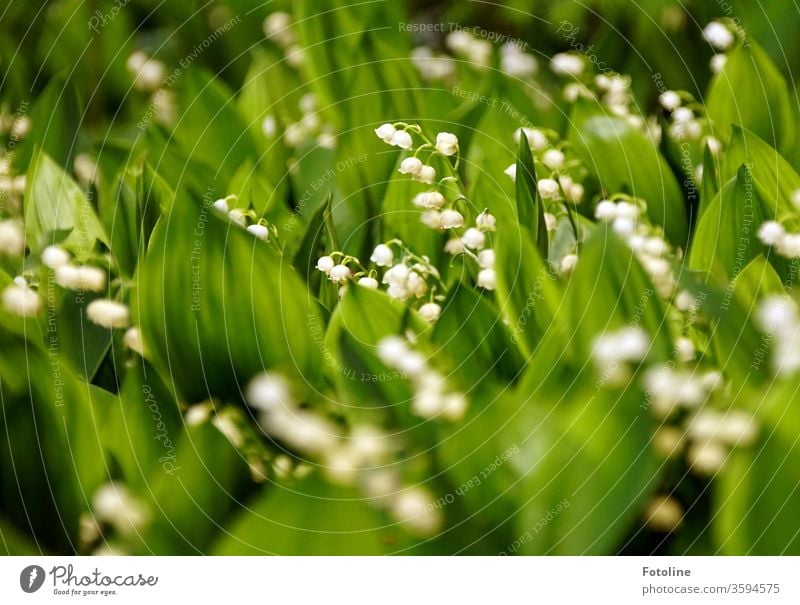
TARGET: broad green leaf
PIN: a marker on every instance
(773, 177)
(310, 518)
(471, 335)
(46, 407)
(212, 131)
(751, 92)
(217, 306)
(55, 207)
(624, 159)
(756, 498)
(529, 205)
(526, 292)
(725, 239)
(55, 122)
(190, 500)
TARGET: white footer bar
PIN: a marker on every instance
(400, 580)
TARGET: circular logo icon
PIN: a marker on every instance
(31, 578)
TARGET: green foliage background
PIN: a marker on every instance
(88, 410)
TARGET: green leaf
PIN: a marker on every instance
(51, 452)
(212, 131)
(529, 205)
(751, 92)
(192, 499)
(526, 291)
(55, 125)
(756, 495)
(625, 160)
(470, 334)
(217, 306)
(774, 178)
(725, 239)
(55, 205)
(310, 518)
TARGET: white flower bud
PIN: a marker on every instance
(21, 300)
(325, 264)
(269, 126)
(392, 349)
(567, 64)
(486, 221)
(428, 199)
(717, 63)
(430, 312)
(605, 211)
(707, 458)
(550, 221)
(339, 273)
(412, 508)
(427, 175)
(432, 219)
(663, 514)
(548, 189)
(486, 279)
(718, 35)
(536, 138)
(474, 238)
(777, 313)
(518, 64)
(789, 245)
(133, 340)
(568, 263)
(553, 159)
(108, 313)
(55, 256)
(669, 100)
(411, 166)
(260, 231)
(12, 239)
(385, 132)
(401, 139)
(368, 282)
(277, 27)
(447, 143)
(113, 503)
(222, 205)
(382, 256)
(486, 258)
(575, 193)
(452, 219)
(624, 226)
(511, 171)
(269, 392)
(84, 277)
(771, 233)
(454, 246)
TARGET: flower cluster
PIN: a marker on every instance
(259, 227)
(778, 318)
(628, 218)
(358, 456)
(432, 66)
(558, 184)
(615, 352)
(405, 275)
(712, 433)
(278, 27)
(432, 399)
(438, 205)
(309, 126)
(772, 233)
(719, 36)
(472, 49)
